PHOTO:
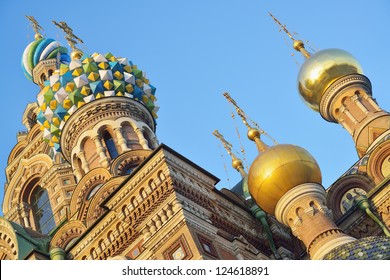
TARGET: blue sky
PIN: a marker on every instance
(193, 51)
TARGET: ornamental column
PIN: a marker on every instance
(121, 140)
(142, 139)
(101, 151)
(84, 163)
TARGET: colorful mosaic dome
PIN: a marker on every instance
(39, 50)
(369, 248)
(84, 80)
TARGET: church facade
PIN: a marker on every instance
(88, 178)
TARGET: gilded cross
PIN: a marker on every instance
(70, 37)
(35, 25)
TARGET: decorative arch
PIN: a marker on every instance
(37, 165)
(96, 176)
(29, 117)
(8, 241)
(18, 148)
(67, 233)
(128, 160)
(94, 208)
(149, 136)
(378, 166)
(341, 187)
(33, 133)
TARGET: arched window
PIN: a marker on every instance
(131, 137)
(110, 144)
(42, 212)
(93, 191)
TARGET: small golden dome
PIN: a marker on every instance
(253, 133)
(76, 54)
(237, 163)
(37, 36)
(279, 169)
(298, 45)
(322, 69)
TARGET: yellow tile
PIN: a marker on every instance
(67, 104)
(127, 68)
(108, 85)
(77, 72)
(103, 65)
(118, 75)
(129, 88)
(70, 86)
(56, 86)
(53, 104)
(93, 76)
(99, 95)
(139, 83)
(43, 107)
(85, 90)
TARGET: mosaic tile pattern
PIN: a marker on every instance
(82, 81)
(369, 248)
(42, 49)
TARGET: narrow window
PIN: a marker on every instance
(110, 144)
(42, 212)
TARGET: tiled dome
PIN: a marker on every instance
(39, 50)
(369, 248)
(84, 80)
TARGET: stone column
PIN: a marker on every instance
(77, 173)
(84, 163)
(348, 114)
(101, 151)
(25, 215)
(57, 253)
(372, 102)
(359, 104)
(121, 140)
(154, 142)
(142, 139)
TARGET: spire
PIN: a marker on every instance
(253, 133)
(236, 162)
(256, 211)
(297, 44)
(71, 38)
(37, 28)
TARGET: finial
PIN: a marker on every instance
(35, 25)
(71, 38)
(253, 133)
(236, 162)
(297, 44)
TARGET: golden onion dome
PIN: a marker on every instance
(321, 70)
(279, 169)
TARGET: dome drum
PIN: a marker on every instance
(93, 113)
(337, 89)
(43, 70)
